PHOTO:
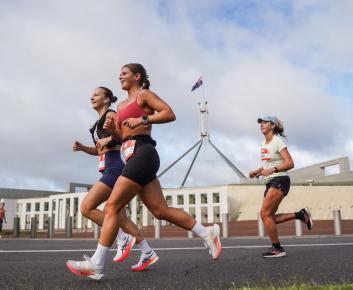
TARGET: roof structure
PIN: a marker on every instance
(12, 193)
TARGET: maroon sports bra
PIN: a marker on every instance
(132, 110)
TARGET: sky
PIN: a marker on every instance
(291, 59)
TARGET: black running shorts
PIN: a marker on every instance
(280, 182)
(143, 166)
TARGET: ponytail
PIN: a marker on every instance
(146, 84)
(279, 129)
(109, 94)
(113, 99)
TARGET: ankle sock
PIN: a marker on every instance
(99, 255)
(144, 247)
(200, 231)
(299, 215)
(120, 236)
(277, 245)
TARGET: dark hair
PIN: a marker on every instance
(137, 68)
(109, 94)
(279, 129)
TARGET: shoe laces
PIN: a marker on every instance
(123, 247)
(145, 257)
(207, 247)
(124, 242)
(86, 260)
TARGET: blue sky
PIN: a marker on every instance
(292, 59)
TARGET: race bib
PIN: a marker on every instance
(101, 164)
(127, 150)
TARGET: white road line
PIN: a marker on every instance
(179, 249)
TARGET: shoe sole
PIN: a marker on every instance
(281, 255)
(311, 220)
(217, 241)
(146, 265)
(92, 275)
(127, 251)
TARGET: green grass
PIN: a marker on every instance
(303, 287)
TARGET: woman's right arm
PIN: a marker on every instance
(77, 146)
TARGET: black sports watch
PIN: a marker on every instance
(145, 120)
(276, 169)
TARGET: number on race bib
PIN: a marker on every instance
(101, 164)
(127, 150)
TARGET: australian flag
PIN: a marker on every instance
(197, 84)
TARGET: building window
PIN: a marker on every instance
(192, 211)
(168, 198)
(37, 206)
(192, 199)
(28, 207)
(180, 199)
(54, 205)
(216, 197)
(203, 197)
(76, 205)
(332, 169)
(46, 206)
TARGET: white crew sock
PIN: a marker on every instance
(144, 247)
(200, 231)
(121, 236)
(99, 255)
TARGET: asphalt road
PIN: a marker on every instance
(183, 264)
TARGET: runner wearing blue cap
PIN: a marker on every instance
(276, 161)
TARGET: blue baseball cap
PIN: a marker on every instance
(271, 119)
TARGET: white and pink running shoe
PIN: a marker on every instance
(213, 242)
(86, 268)
(124, 248)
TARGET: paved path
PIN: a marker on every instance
(183, 264)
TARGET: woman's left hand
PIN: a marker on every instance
(132, 123)
(267, 172)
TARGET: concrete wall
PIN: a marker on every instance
(317, 172)
(11, 208)
(25, 216)
(245, 201)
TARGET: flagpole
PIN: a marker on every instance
(203, 90)
(204, 138)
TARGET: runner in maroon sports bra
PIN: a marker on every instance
(135, 117)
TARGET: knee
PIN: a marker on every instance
(111, 209)
(85, 210)
(265, 214)
(160, 213)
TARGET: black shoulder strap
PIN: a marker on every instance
(99, 123)
(102, 119)
(92, 129)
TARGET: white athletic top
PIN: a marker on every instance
(271, 157)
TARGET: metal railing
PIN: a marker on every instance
(337, 227)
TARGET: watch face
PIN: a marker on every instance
(145, 120)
